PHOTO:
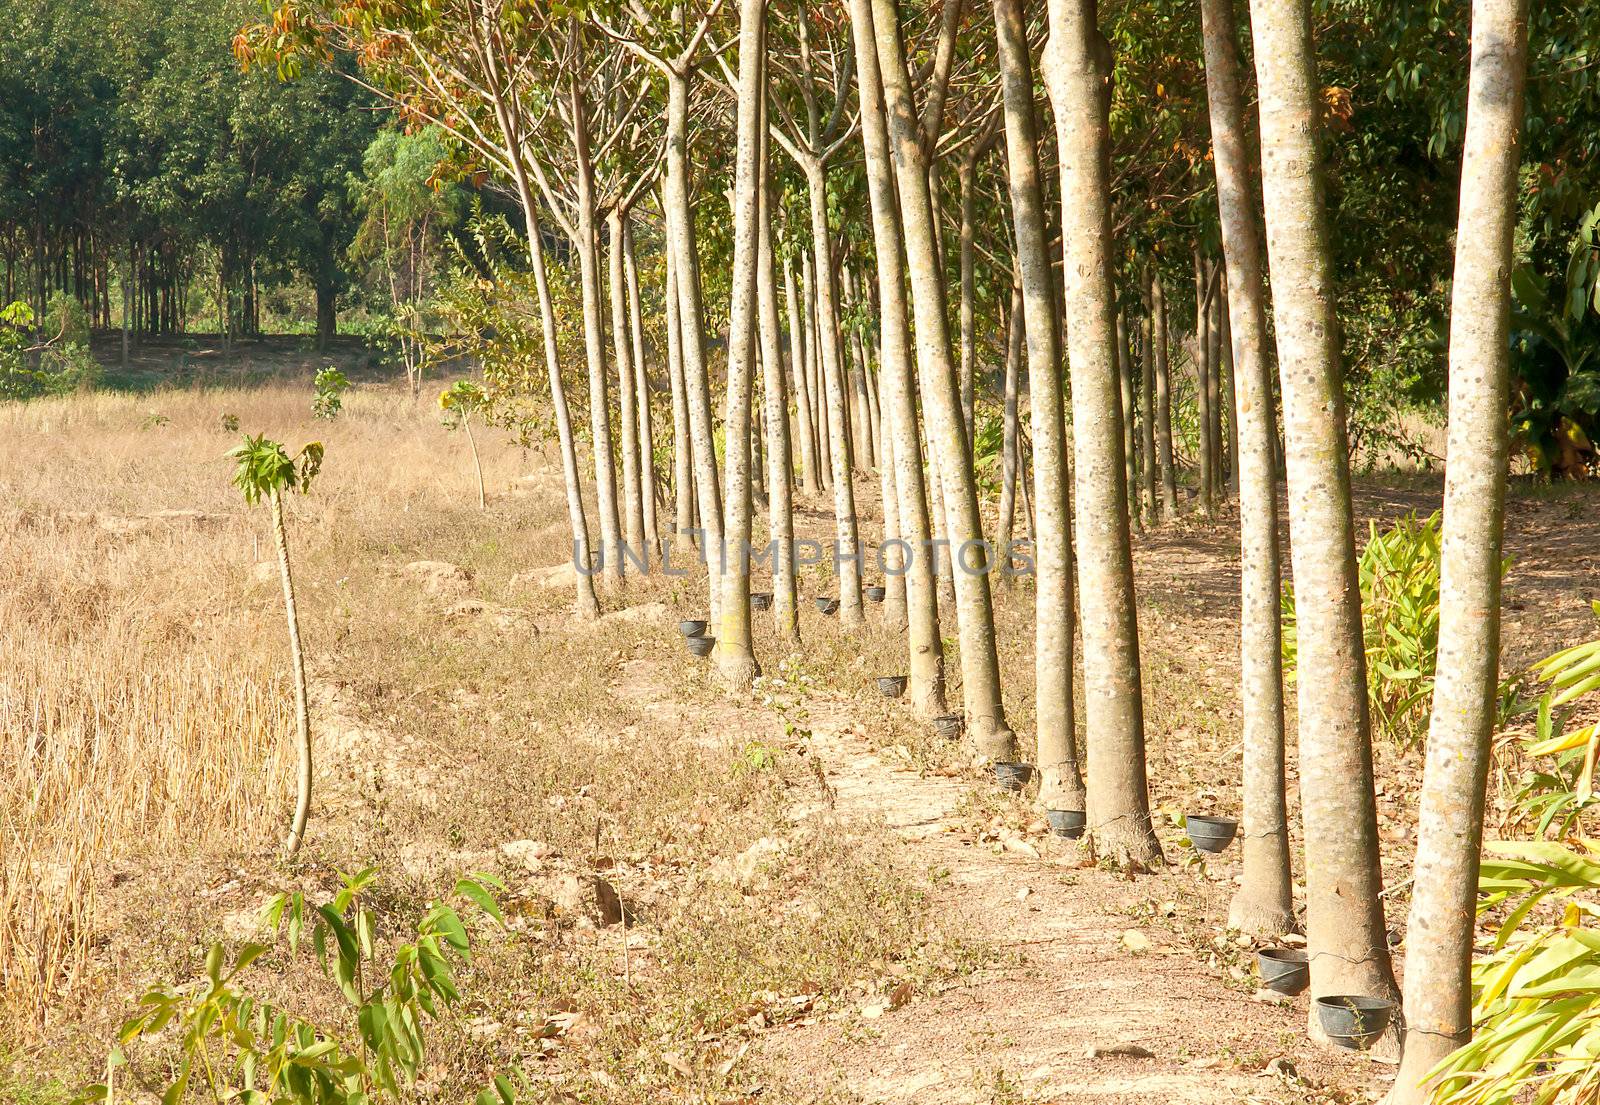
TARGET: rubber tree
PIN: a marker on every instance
(649, 486)
(780, 461)
(683, 489)
(1147, 398)
(1076, 66)
(264, 470)
(1438, 994)
(1061, 783)
(941, 396)
(1205, 450)
(1006, 516)
(735, 658)
(627, 386)
(923, 642)
(1167, 471)
(811, 141)
(1345, 930)
(1129, 411)
(1264, 902)
(799, 357)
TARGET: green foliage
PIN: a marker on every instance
(246, 1048)
(460, 401)
(57, 366)
(1399, 577)
(264, 469)
(1554, 795)
(329, 400)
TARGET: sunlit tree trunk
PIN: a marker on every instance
(780, 463)
(1264, 903)
(799, 350)
(691, 325)
(628, 424)
(735, 658)
(846, 528)
(605, 473)
(1214, 383)
(1005, 523)
(302, 714)
(1147, 409)
(861, 419)
(649, 485)
(1230, 390)
(1061, 783)
(967, 312)
(904, 446)
(980, 666)
(1344, 913)
(682, 455)
(1438, 996)
(1076, 66)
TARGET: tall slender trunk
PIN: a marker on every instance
(1147, 409)
(735, 657)
(891, 552)
(1264, 903)
(815, 387)
(691, 325)
(302, 715)
(1005, 522)
(1230, 391)
(1169, 475)
(861, 420)
(1438, 1004)
(1129, 431)
(780, 462)
(605, 473)
(923, 642)
(1344, 914)
(1061, 783)
(799, 358)
(1076, 66)
(628, 418)
(1202, 385)
(1214, 332)
(683, 492)
(847, 555)
(967, 312)
(980, 664)
(649, 487)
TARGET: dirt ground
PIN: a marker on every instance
(1084, 985)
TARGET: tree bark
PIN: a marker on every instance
(780, 462)
(1264, 903)
(691, 324)
(1438, 995)
(628, 418)
(1230, 389)
(1345, 924)
(1061, 782)
(924, 645)
(1147, 407)
(605, 473)
(735, 655)
(847, 554)
(799, 359)
(1076, 66)
(649, 486)
(980, 665)
(302, 715)
(1169, 475)
(1129, 431)
(1204, 449)
(1005, 523)
(682, 450)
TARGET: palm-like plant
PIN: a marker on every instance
(460, 401)
(265, 470)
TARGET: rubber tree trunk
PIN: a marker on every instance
(814, 385)
(861, 417)
(302, 714)
(1076, 65)
(891, 546)
(1264, 903)
(1345, 929)
(923, 642)
(649, 487)
(1006, 518)
(1169, 475)
(1230, 389)
(780, 462)
(966, 176)
(1061, 782)
(941, 396)
(1204, 449)
(587, 606)
(799, 358)
(735, 656)
(847, 554)
(1438, 995)
(682, 449)
(628, 417)
(1129, 430)
(605, 473)
(1147, 411)
(691, 325)
(1214, 331)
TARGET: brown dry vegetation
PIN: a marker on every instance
(464, 723)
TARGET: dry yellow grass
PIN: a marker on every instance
(143, 707)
